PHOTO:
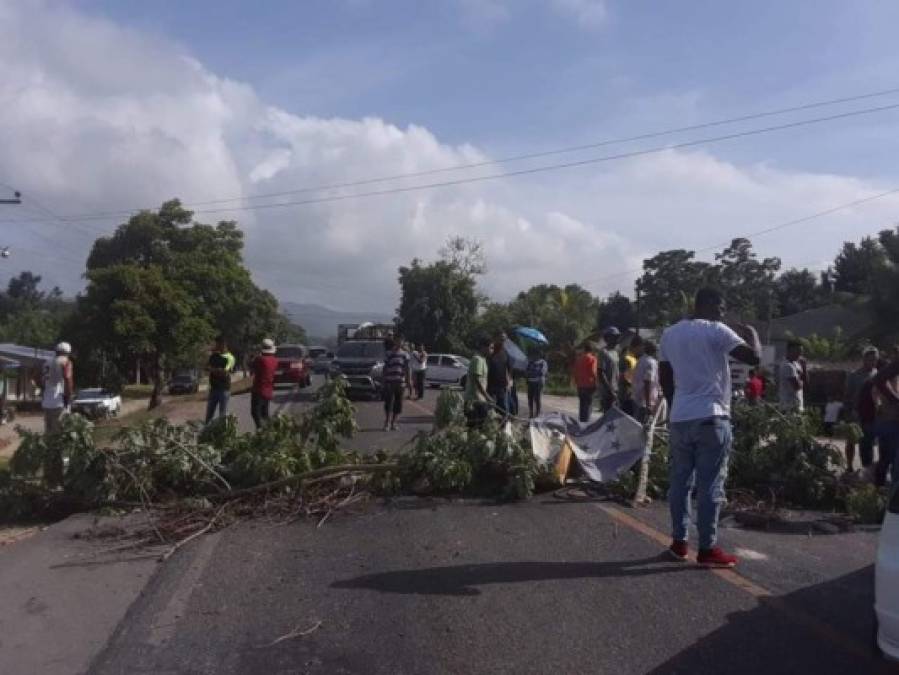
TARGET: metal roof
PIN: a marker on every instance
(25, 355)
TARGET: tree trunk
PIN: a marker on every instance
(156, 377)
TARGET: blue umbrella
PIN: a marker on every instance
(531, 334)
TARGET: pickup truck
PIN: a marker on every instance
(360, 363)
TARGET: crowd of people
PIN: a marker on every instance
(688, 375)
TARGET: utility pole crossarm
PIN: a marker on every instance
(17, 199)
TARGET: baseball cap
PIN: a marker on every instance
(63, 348)
(268, 346)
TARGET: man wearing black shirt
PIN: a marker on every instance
(219, 367)
(499, 373)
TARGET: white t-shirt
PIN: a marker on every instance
(55, 382)
(698, 351)
(417, 363)
(646, 370)
(832, 412)
(790, 398)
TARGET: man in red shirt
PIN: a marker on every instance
(263, 370)
(585, 379)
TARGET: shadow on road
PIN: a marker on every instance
(464, 579)
(824, 628)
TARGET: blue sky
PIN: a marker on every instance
(114, 104)
(524, 74)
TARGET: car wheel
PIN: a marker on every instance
(463, 381)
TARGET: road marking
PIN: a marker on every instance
(763, 595)
(749, 554)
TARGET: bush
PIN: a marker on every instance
(866, 504)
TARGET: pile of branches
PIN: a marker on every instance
(189, 479)
(192, 478)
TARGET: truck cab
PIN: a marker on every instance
(360, 363)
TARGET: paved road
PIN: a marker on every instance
(551, 585)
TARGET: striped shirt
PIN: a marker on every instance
(396, 367)
(537, 371)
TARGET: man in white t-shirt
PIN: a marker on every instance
(58, 386)
(695, 375)
(791, 380)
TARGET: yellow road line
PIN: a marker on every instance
(763, 595)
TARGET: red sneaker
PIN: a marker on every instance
(715, 557)
(678, 550)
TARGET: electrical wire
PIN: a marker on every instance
(541, 154)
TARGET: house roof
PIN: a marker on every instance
(28, 356)
(824, 321)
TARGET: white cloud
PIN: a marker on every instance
(589, 14)
(96, 118)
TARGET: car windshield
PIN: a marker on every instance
(93, 393)
(316, 352)
(355, 350)
(183, 378)
(290, 352)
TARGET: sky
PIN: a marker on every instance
(111, 106)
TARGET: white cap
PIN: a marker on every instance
(268, 346)
(63, 348)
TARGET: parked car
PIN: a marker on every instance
(446, 370)
(294, 366)
(96, 403)
(184, 384)
(360, 363)
(886, 581)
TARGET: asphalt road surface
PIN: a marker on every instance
(551, 585)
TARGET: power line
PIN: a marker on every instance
(546, 153)
(545, 168)
(767, 230)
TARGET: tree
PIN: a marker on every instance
(856, 266)
(670, 280)
(164, 254)
(747, 282)
(465, 254)
(566, 316)
(30, 316)
(796, 291)
(438, 304)
(617, 310)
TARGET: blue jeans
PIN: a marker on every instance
(701, 446)
(218, 398)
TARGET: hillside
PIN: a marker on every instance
(321, 322)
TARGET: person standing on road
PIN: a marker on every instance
(397, 380)
(536, 376)
(585, 379)
(887, 425)
(419, 370)
(791, 379)
(477, 400)
(645, 379)
(219, 366)
(499, 374)
(695, 376)
(861, 409)
(58, 388)
(609, 369)
(263, 370)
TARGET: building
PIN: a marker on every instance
(26, 365)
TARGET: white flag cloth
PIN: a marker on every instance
(605, 448)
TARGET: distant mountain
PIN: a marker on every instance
(321, 322)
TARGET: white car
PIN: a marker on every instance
(446, 370)
(97, 403)
(886, 580)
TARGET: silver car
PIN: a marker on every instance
(446, 370)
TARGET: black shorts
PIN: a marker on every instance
(393, 397)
